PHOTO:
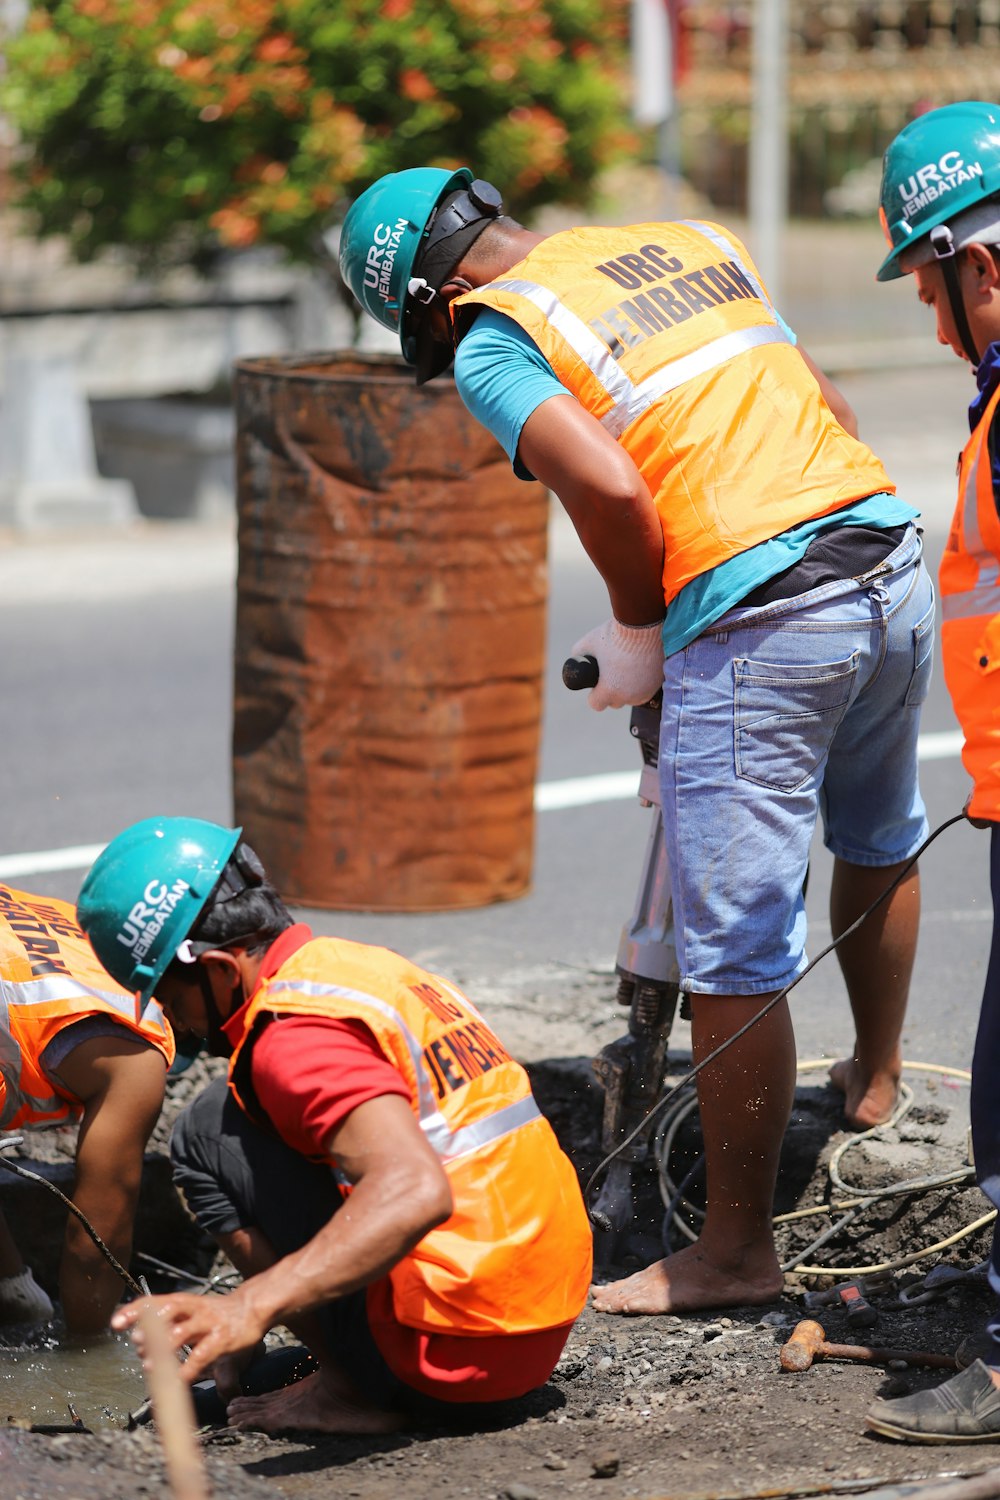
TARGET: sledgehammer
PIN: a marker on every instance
(808, 1342)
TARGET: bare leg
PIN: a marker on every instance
(877, 962)
(323, 1402)
(745, 1099)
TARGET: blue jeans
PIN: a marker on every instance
(773, 716)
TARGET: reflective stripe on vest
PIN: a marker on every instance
(984, 598)
(49, 991)
(57, 988)
(686, 365)
(50, 979)
(448, 1144)
(14, 1099)
(729, 247)
(515, 1253)
(969, 577)
(631, 400)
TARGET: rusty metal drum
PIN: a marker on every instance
(390, 624)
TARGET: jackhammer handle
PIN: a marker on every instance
(580, 672)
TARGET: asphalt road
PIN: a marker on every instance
(115, 677)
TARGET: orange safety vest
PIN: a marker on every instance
(515, 1255)
(50, 978)
(664, 332)
(969, 579)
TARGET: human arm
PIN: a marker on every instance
(120, 1082)
(832, 395)
(510, 387)
(400, 1192)
(607, 500)
(609, 503)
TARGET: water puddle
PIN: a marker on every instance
(103, 1382)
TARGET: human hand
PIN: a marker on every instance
(629, 660)
(211, 1327)
(976, 822)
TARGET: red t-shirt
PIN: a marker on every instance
(309, 1073)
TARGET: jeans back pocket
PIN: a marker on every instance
(785, 715)
(923, 658)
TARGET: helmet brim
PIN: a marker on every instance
(431, 356)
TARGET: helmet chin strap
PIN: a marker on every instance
(943, 245)
(216, 1041)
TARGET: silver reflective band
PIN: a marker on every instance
(723, 243)
(426, 1099)
(56, 987)
(709, 357)
(581, 339)
(448, 1143)
(983, 600)
(630, 400)
(451, 1144)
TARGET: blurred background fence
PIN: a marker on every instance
(857, 71)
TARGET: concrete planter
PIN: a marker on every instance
(177, 452)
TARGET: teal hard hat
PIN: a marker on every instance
(380, 239)
(942, 164)
(145, 891)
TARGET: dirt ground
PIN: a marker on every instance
(650, 1407)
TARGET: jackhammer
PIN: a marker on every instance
(631, 1069)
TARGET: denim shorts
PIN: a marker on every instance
(774, 715)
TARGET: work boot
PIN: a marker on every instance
(977, 1346)
(22, 1300)
(965, 1409)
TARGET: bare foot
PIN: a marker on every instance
(316, 1404)
(867, 1101)
(688, 1282)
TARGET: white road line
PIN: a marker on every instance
(582, 791)
(940, 746)
(76, 857)
(550, 796)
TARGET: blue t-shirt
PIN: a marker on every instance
(502, 376)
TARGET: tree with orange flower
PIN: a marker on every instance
(180, 128)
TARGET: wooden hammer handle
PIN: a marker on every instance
(885, 1356)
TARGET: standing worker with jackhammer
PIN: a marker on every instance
(760, 570)
(940, 210)
(378, 1168)
(73, 1045)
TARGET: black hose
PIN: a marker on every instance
(116, 1265)
(671, 1093)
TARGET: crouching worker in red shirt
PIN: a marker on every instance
(379, 1171)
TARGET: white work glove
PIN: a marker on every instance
(22, 1300)
(629, 660)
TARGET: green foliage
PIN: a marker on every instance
(181, 127)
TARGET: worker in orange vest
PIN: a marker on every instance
(760, 571)
(73, 1045)
(940, 211)
(378, 1168)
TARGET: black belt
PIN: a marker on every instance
(847, 552)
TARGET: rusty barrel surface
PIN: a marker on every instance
(390, 628)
